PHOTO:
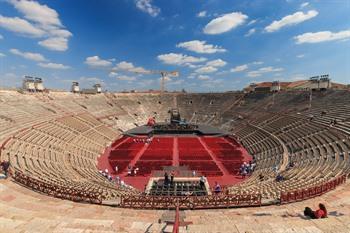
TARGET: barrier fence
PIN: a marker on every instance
(189, 202)
(303, 194)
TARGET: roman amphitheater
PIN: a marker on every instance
(59, 143)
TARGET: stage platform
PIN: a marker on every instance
(199, 130)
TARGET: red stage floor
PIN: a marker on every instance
(218, 158)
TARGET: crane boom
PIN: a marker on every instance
(163, 74)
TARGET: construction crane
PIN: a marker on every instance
(164, 74)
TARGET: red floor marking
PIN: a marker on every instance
(213, 157)
(246, 156)
(136, 158)
(122, 142)
(176, 152)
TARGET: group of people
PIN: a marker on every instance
(115, 180)
(169, 180)
(132, 171)
(144, 140)
(247, 168)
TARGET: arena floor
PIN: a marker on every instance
(218, 158)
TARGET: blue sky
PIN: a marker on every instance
(216, 45)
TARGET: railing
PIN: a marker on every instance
(189, 202)
(58, 191)
(303, 194)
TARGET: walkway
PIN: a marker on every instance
(176, 152)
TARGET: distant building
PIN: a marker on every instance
(98, 88)
(28, 84)
(75, 87)
(38, 83)
(322, 82)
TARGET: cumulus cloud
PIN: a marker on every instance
(179, 59)
(317, 37)
(206, 69)
(55, 43)
(199, 46)
(97, 62)
(216, 63)
(263, 70)
(296, 18)
(300, 55)
(250, 32)
(28, 55)
(21, 26)
(202, 14)
(239, 68)
(40, 21)
(55, 66)
(225, 23)
(128, 66)
(36, 12)
(147, 7)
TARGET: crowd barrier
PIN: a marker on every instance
(303, 194)
(189, 202)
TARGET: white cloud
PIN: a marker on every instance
(202, 14)
(147, 7)
(179, 59)
(203, 77)
(43, 22)
(51, 65)
(305, 4)
(27, 55)
(216, 63)
(239, 68)
(97, 62)
(257, 62)
(2, 55)
(200, 47)
(113, 74)
(225, 23)
(55, 43)
(252, 22)
(36, 12)
(21, 26)
(300, 55)
(296, 18)
(250, 32)
(317, 37)
(125, 78)
(1, 37)
(263, 70)
(206, 69)
(128, 66)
